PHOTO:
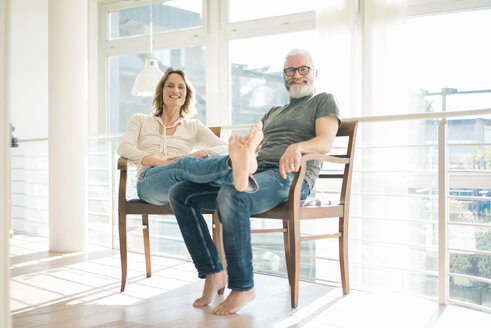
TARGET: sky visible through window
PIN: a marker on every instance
(451, 51)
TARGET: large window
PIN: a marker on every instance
(233, 54)
(185, 36)
(127, 44)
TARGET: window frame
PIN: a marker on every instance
(215, 33)
(136, 44)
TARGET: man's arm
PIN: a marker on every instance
(325, 130)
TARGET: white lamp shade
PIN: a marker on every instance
(147, 79)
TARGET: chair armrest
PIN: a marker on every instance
(339, 159)
(123, 164)
(296, 186)
(123, 167)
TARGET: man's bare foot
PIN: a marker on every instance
(239, 156)
(213, 283)
(253, 140)
(242, 155)
(235, 301)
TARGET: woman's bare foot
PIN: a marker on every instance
(213, 283)
(235, 301)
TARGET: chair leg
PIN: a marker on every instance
(122, 249)
(218, 240)
(343, 255)
(146, 244)
(286, 242)
(294, 273)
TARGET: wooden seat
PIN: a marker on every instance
(295, 211)
(136, 206)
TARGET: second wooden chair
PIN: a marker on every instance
(295, 211)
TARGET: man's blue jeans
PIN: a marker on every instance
(234, 210)
(154, 183)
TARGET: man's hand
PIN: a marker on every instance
(290, 161)
(325, 132)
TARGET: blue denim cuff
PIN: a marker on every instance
(252, 187)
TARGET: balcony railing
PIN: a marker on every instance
(420, 209)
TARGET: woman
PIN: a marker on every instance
(161, 144)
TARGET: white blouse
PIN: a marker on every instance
(142, 137)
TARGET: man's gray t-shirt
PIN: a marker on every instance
(294, 123)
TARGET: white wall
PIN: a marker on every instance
(4, 172)
(68, 142)
(28, 80)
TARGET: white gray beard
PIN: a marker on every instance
(299, 91)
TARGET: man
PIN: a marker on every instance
(307, 124)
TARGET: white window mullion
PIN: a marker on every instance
(167, 40)
(271, 25)
(217, 72)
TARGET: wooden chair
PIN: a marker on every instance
(294, 211)
(137, 206)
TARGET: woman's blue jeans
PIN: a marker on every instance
(154, 183)
(234, 210)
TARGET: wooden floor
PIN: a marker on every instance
(82, 290)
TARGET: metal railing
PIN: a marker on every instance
(442, 171)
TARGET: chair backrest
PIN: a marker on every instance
(217, 130)
(347, 129)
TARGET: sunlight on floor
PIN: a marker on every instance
(311, 309)
(91, 281)
(53, 289)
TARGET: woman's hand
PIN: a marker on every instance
(197, 154)
(174, 159)
(153, 161)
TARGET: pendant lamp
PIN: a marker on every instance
(150, 75)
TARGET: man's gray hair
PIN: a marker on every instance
(303, 52)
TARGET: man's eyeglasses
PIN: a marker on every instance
(302, 70)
